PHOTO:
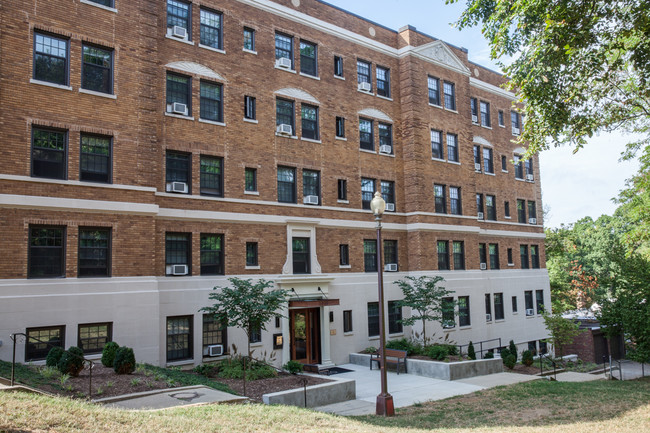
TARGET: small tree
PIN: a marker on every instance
(425, 296)
(562, 330)
(512, 347)
(471, 353)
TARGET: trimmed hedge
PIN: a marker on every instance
(471, 353)
(527, 358)
(54, 356)
(108, 354)
(124, 362)
(72, 361)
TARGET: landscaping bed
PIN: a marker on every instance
(257, 388)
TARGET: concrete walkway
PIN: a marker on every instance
(185, 396)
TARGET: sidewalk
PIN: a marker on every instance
(185, 396)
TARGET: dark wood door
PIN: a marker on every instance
(305, 335)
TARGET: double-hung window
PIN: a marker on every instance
(178, 170)
(107, 3)
(488, 163)
(436, 144)
(521, 211)
(452, 147)
(463, 311)
(491, 206)
(390, 252)
(95, 158)
(434, 90)
(532, 212)
(367, 192)
(284, 113)
(211, 101)
(363, 73)
(455, 207)
(534, 256)
(366, 140)
(477, 158)
(179, 338)
(506, 209)
(92, 337)
(485, 114)
(347, 320)
(519, 167)
(342, 189)
(41, 340)
(385, 136)
(479, 206)
(388, 192)
(250, 179)
(498, 306)
(448, 319)
(493, 249)
(308, 58)
(528, 297)
(340, 127)
(309, 116)
(179, 15)
(338, 66)
(301, 255)
(502, 121)
(344, 255)
(49, 153)
(211, 176)
(443, 255)
(178, 252)
(286, 184)
(179, 94)
(370, 255)
(488, 308)
(504, 163)
(252, 257)
(482, 255)
(383, 81)
(46, 257)
(283, 47)
(249, 39)
(373, 319)
(394, 317)
(459, 254)
(449, 90)
(213, 333)
(94, 252)
(539, 301)
(97, 69)
(523, 254)
(515, 121)
(529, 168)
(473, 105)
(212, 254)
(249, 108)
(211, 29)
(440, 198)
(311, 185)
(51, 56)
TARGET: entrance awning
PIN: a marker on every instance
(313, 303)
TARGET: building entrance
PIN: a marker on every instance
(305, 335)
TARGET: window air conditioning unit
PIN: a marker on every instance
(365, 87)
(284, 129)
(179, 32)
(480, 215)
(390, 207)
(177, 270)
(385, 148)
(310, 199)
(178, 187)
(530, 312)
(488, 317)
(283, 62)
(529, 177)
(477, 166)
(215, 350)
(515, 130)
(178, 108)
(474, 118)
(483, 266)
(390, 267)
(532, 221)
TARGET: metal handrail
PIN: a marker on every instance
(541, 365)
(480, 344)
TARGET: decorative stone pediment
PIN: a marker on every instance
(377, 114)
(293, 93)
(480, 140)
(195, 69)
(438, 52)
(519, 151)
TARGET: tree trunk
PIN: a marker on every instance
(424, 332)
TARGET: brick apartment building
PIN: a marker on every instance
(154, 148)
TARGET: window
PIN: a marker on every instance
(502, 121)
(338, 66)
(308, 56)
(521, 211)
(529, 168)
(347, 320)
(488, 164)
(485, 114)
(506, 209)
(178, 92)
(479, 206)
(177, 251)
(284, 113)
(440, 199)
(179, 338)
(178, 169)
(388, 192)
(367, 192)
(107, 3)
(477, 158)
(510, 261)
(498, 306)
(51, 59)
(49, 153)
(532, 346)
(528, 297)
(97, 69)
(383, 81)
(363, 72)
(491, 206)
(92, 338)
(474, 109)
(434, 91)
(436, 144)
(519, 167)
(482, 254)
(504, 163)
(284, 47)
(459, 254)
(211, 176)
(455, 207)
(452, 147)
(286, 184)
(41, 340)
(249, 108)
(532, 213)
(95, 159)
(448, 319)
(256, 335)
(94, 252)
(514, 120)
(251, 254)
(344, 255)
(179, 14)
(211, 33)
(340, 127)
(373, 319)
(249, 39)
(450, 95)
(309, 116)
(311, 184)
(250, 179)
(488, 308)
(211, 102)
(390, 252)
(443, 255)
(301, 256)
(342, 189)
(394, 317)
(514, 304)
(493, 249)
(213, 333)
(385, 136)
(212, 254)
(539, 301)
(366, 140)
(370, 255)
(463, 311)
(46, 252)
(534, 257)
(523, 253)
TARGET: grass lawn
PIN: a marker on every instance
(540, 406)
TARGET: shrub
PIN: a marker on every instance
(71, 362)
(206, 370)
(369, 350)
(439, 352)
(513, 349)
(400, 344)
(233, 368)
(452, 349)
(293, 367)
(54, 356)
(108, 354)
(527, 358)
(471, 353)
(509, 361)
(124, 362)
(488, 355)
(505, 352)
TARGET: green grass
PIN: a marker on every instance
(182, 378)
(26, 375)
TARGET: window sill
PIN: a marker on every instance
(397, 334)
(48, 84)
(246, 50)
(106, 8)
(310, 140)
(345, 266)
(511, 265)
(179, 116)
(252, 192)
(292, 71)
(475, 123)
(504, 171)
(348, 334)
(502, 126)
(180, 363)
(373, 338)
(499, 320)
(250, 120)
(384, 97)
(451, 111)
(258, 344)
(520, 179)
(339, 78)
(293, 137)
(449, 329)
(179, 40)
(211, 122)
(343, 201)
(367, 151)
(488, 173)
(341, 138)
(313, 77)
(454, 162)
(216, 50)
(103, 95)
(434, 105)
(438, 159)
(515, 313)
(463, 328)
(253, 268)
(486, 127)
(507, 217)
(366, 93)
(391, 155)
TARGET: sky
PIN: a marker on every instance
(573, 186)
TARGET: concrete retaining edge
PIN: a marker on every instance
(317, 395)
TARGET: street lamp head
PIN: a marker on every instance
(378, 205)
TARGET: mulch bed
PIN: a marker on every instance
(522, 369)
(255, 389)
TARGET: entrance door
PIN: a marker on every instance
(305, 335)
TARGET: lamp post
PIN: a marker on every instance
(384, 399)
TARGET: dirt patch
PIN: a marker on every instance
(257, 388)
(522, 369)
